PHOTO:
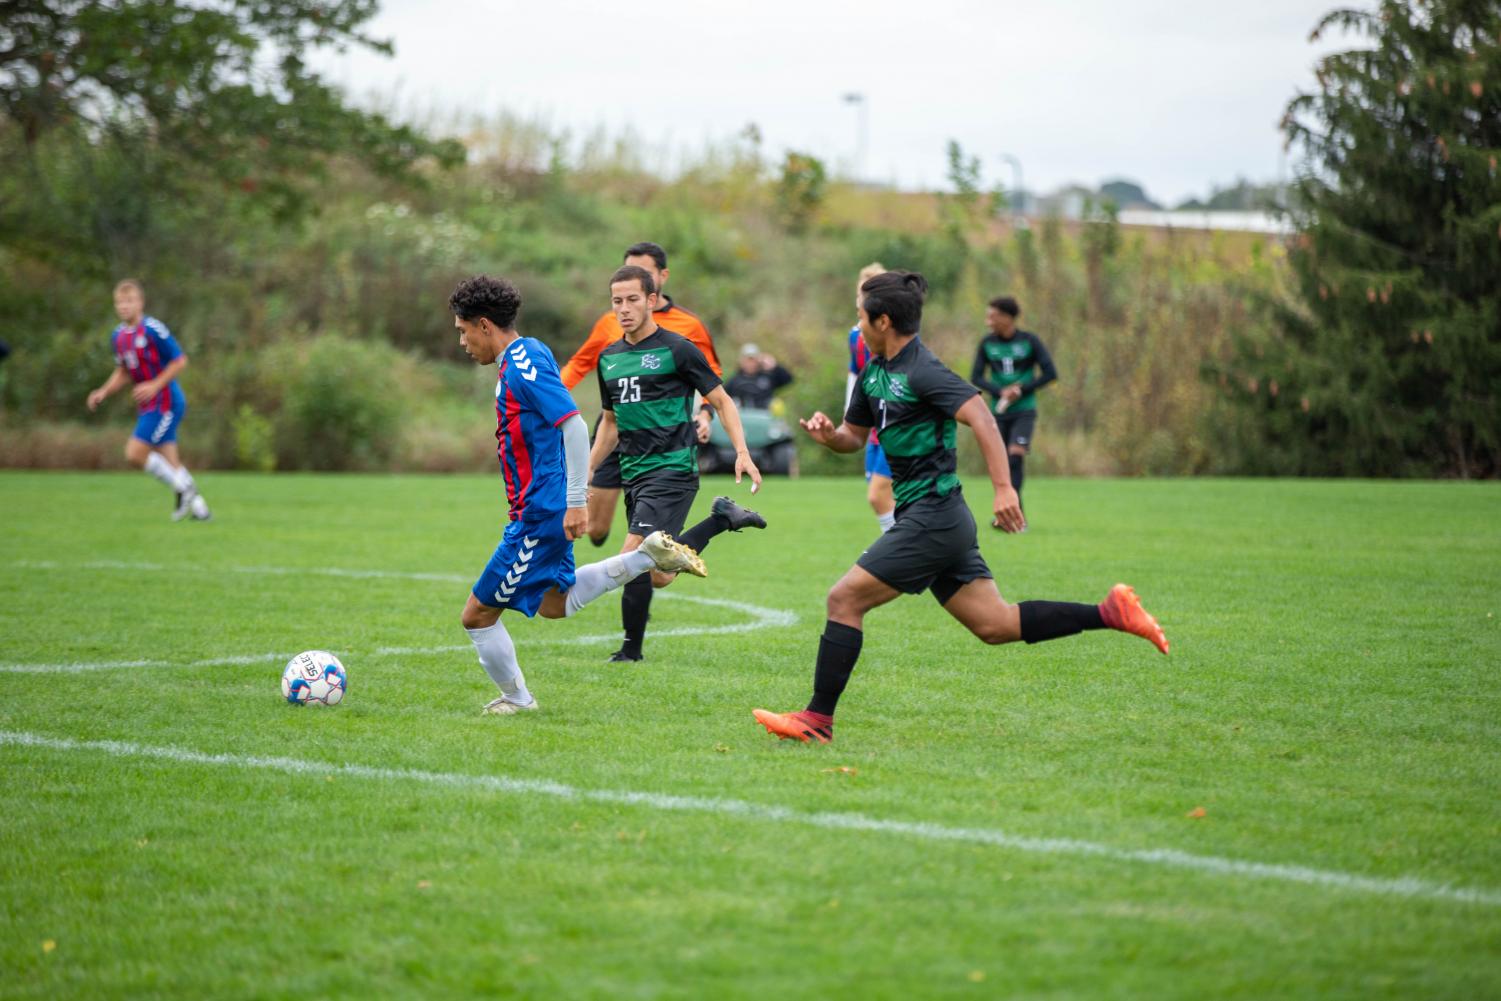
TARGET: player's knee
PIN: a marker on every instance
(477, 616)
(660, 579)
(842, 604)
(1017, 450)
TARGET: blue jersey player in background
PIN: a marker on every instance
(543, 447)
(877, 469)
(147, 355)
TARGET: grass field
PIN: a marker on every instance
(1008, 821)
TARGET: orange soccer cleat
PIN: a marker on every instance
(1122, 610)
(804, 726)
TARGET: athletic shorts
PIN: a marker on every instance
(158, 427)
(659, 502)
(533, 558)
(933, 544)
(875, 461)
(607, 473)
(1017, 427)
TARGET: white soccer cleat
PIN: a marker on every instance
(184, 507)
(671, 556)
(199, 507)
(500, 707)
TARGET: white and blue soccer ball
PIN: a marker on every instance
(314, 678)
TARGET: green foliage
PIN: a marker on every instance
(1389, 360)
(341, 407)
(255, 440)
(800, 191)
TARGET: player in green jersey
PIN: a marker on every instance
(647, 383)
(1004, 364)
(914, 402)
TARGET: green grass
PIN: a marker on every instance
(1331, 702)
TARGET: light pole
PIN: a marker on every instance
(862, 134)
(1016, 201)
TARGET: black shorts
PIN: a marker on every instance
(1017, 428)
(607, 473)
(933, 544)
(659, 502)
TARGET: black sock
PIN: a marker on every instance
(838, 650)
(635, 609)
(1018, 464)
(1048, 620)
(697, 538)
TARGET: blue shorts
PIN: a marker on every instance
(158, 427)
(532, 559)
(875, 461)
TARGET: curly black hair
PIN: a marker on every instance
(496, 299)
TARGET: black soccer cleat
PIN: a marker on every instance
(624, 656)
(738, 517)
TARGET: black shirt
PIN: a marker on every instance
(910, 401)
(650, 386)
(756, 390)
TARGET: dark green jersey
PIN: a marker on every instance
(910, 401)
(1010, 362)
(650, 386)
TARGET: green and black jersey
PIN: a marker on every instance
(1011, 361)
(650, 386)
(910, 401)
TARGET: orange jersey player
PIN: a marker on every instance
(605, 487)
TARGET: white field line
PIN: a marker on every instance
(760, 618)
(1405, 886)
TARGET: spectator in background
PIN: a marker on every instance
(758, 379)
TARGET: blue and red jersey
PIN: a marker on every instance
(530, 407)
(859, 358)
(143, 351)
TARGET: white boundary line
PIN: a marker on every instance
(1405, 886)
(761, 618)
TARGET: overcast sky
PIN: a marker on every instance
(1177, 96)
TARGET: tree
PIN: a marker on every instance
(215, 90)
(1389, 360)
(800, 190)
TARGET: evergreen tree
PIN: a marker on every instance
(1389, 363)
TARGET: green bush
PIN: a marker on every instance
(342, 406)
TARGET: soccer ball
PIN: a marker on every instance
(313, 678)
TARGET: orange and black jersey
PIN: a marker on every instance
(607, 331)
(650, 386)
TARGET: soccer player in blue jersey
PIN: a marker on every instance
(877, 469)
(146, 354)
(543, 448)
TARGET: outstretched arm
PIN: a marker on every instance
(117, 381)
(729, 417)
(1008, 512)
(845, 438)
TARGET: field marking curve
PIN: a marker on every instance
(760, 618)
(1404, 886)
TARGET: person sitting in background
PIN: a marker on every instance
(758, 379)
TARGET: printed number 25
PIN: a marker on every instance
(630, 390)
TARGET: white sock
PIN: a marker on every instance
(162, 470)
(594, 579)
(886, 521)
(176, 477)
(497, 655)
